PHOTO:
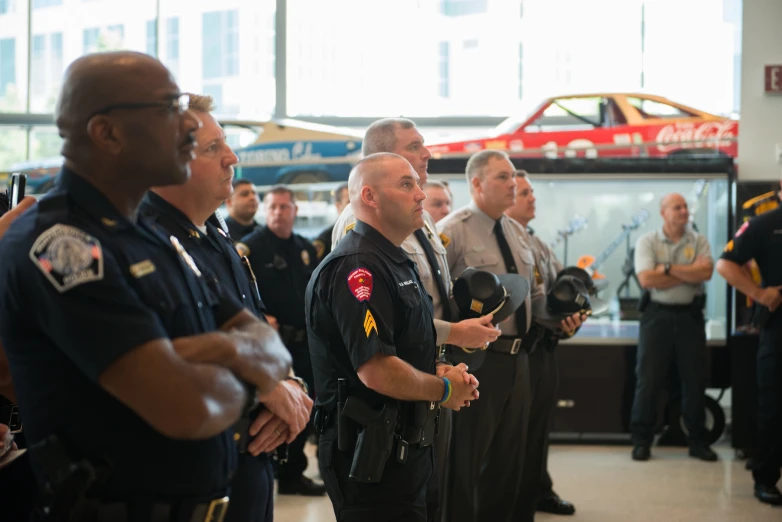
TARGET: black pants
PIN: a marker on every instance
(400, 496)
(543, 388)
(252, 490)
(294, 467)
(668, 334)
(768, 458)
(489, 437)
(438, 489)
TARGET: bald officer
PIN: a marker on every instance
(672, 264)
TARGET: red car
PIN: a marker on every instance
(606, 125)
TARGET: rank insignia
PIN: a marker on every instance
(370, 324)
(729, 246)
(445, 239)
(360, 284)
(68, 257)
(349, 227)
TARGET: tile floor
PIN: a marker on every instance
(607, 486)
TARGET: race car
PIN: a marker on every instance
(293, 151)
(605, 125)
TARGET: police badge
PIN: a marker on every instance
(68, 257)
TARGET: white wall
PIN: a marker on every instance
(761, 115)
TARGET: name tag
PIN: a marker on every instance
(142, 268)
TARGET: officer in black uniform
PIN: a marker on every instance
(110, 328)
(370, 323)
(283, 263)
(761, 239)
(187, 211)
(322, 243)
(242, 206)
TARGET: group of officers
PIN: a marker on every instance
(160, 357)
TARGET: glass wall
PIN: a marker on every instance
(355, 58)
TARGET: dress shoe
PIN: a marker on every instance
(768, 494)
(703, 452)
(302, 486)
(641, 452)
(554, 504)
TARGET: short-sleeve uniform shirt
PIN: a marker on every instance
(366, 298)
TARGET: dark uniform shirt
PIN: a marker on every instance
(322, 243)
(237, 231)
(366, 298)
(213, 250)
(283, 268)
(81, 287)
(760, 239)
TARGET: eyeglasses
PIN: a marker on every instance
(178, 104)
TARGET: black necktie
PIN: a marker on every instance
(435, 267)
(510, 266)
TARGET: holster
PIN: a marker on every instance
(644, 300)
(419, 422)
(375, 440)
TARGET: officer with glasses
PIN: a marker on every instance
(130, 364)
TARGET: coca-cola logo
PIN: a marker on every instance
(695, 135)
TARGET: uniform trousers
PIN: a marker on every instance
(252, 490)
(667, 334)
(768, 459)
(488, 442)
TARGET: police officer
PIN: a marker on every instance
(672, 264)
(283, 262)
(489, 439)
(119, 346)
(370, 323)
(761, 239)
(341, 199)
(187, 211)
(537, 487)
(425, 248)
(438, 200)
(242, 205)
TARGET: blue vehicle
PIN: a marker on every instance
(292, 151)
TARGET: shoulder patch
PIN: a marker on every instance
(360, 284)
(243, 249)
(350, 227)
(320, 248)
(445, 239)
(369, 324)
(68, 257)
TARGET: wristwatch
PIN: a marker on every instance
(667, 268)
(300, 382)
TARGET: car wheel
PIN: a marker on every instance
(677, 430)
(305, 177)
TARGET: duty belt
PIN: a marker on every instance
(509, 345)
(212, 511)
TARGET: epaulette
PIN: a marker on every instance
(760, 205)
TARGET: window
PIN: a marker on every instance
(172, 45)
(47, 69)
(569, 114)
(38, 4)
(521, 70)
(151, 48)
(655, 109)
(443, 88)
(463, 7)
(220, 44)
(98, 39)
(6, 6)
(7, 66)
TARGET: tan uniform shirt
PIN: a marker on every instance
(654, 248)
(469, 239)
(415, 253)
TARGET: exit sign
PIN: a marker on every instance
(773, 79)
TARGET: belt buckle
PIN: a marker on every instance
(216, 510)
(516, 346)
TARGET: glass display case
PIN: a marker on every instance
(616, 213)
